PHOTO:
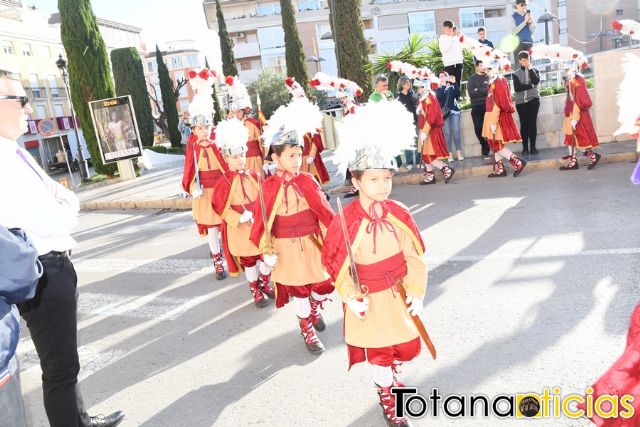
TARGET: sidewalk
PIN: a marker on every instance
(161, 189)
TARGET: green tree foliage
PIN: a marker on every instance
(352, 49)
(88, 66)
(226, 45)
(128, 76)
(294, 53)
(272, 90)
(168, 100)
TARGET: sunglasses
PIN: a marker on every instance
(24, 100)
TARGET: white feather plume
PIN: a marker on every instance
(299, 115)
(628, 94)
(322, 81)
(628, 27)
(231, 134)
(383, 129)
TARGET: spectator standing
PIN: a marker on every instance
(184, 126)
(447, 94)
(482, 37)
(478, 88)
(408, 98)
(523, 26)
(19, 274)
(525, 83)
(452, 56)
(46, 211)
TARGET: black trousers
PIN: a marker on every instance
(51, 317)
(528, 113)
(454, 70)
(477, 115)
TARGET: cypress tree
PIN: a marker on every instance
(168, 100)
(128, 76)
(352, 49)
(294, 53)
(226, 45)
(218, 113)
(88, 67)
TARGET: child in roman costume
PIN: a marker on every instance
(235, 195)
(203, 166)
(387, 250)
(240, 105)
(431, 143)
(291, 229)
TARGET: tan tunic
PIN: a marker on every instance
(202, 207)
(387, 321)
(299, 259)
(492, 118)
(254, 163)
(238, 234)
(575, 115)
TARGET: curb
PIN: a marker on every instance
(409, 178)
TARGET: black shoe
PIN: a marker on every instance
(534, 152)
(593, 165)
(110, 420)
(498, 175)
(569, 168)
(524, 152)
(447, 179)
(351, 193)
(519, 171)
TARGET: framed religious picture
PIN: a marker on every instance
(116, 128)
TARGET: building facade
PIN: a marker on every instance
(30, 45)
(255, 26)
(179, 56)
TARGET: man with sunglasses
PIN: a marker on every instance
(523, 26)
(46, 211)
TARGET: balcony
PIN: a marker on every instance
(247, 76)
(58, 92)
(246, 50)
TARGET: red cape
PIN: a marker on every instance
(585, 131)
(309, 188)
(316, 139)
(500, 95)
(189, 171)
(221, 194)
(334, 251)
(434, 118)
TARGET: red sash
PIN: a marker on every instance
(382, 274)
(297, 225)
(240, 209)
(253, 149)
(208, 179)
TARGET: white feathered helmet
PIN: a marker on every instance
(231, 137)
(238, 94)
(201, 106)
(294, 88)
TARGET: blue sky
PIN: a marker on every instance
(161, 20)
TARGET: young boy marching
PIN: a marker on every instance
(431, 143)
(499, 127)
(235, 195)
(203, 166)
(291, 227)
(384, 295)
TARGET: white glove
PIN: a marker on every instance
(423, 137)
(246, 216)
(574, 123)
(185, 195)
(415, 305)
(270, 259)
(494, 128)
(359, 306)
(273, 168)
(266, 167)
(310, 160)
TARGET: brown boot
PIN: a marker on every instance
(388, 403)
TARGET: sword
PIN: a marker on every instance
(267, 229)
(362, 290)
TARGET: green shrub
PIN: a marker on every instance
(159, 149)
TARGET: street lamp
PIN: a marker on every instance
(545, 18)
(82, 163)
(317, 60)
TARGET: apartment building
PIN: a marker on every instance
(29, 46)
(179, 56)
(255, 27)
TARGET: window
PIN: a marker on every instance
(40, 112)
(150, 66)
(390, 22)
(245, 65)
(271, 37)
(562, 3)
(59, 109)
(184, 105)
(269, 9)
(176, 62)
(44, 52)
(53, 86)
(392, 46)
(7, 47)
(494, 13)
(26, 49)
(471, 18)
(308, 5)
(276, 62)
(192, 60)
(422, 22)
(619, 12)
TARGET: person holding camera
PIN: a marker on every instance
(447, 94)
(452, 56)
(523, 26)
(525, 83)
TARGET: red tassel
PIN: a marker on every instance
(229, 80)
(616, 25)
(290, 81)
(314, 83)
(204, 74)
(389, 66)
